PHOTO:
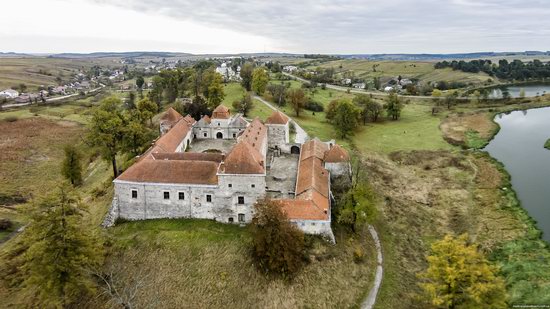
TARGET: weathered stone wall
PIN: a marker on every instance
(338, 169)
(278, 134)
(315, 227)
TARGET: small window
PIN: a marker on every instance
(181, 195)
(230, 219)
(234, 135)
(205, 134)
(241, 217)
(253, 185)
(218, 124)
(209, 198)
(241, 199)
(166, 195)
(230, 185)
(313, 223)
(134, 193)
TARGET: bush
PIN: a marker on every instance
(11, 119)
(314, 106)
(277, 246)
(358, 255)
(5, 224)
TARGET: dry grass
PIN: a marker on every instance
(456, 127)
(202, 264)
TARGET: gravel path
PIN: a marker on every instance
(369, 302)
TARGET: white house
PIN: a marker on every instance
(9, 93)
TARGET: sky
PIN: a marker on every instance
(294, 26)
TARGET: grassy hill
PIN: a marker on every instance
(423, 71)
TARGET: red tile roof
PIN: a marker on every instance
(171, 116)
(172, 171)
(170, 140)
(312, 175)
(277, 118)
(188, 156)
(336, 154)
(221, 112)
(301, 209)
(243, 159)
(313, 148)
(255, 134)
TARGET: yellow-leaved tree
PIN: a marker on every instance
(459, 276)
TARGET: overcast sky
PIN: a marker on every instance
(296, 26)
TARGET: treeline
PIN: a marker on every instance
(515, 70)
(319, 56)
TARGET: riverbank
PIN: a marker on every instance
(547, 144)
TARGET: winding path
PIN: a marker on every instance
(369, 302)
(301, 134)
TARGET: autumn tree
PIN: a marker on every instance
(244, 105)
(246, 75)
(259, 80)
(71, 168)
(106, 129)
(277, 245)
(297, 100)
(459, 276)
(393, 106)
(60, 251)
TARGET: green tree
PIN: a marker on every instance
(61, 252)
(140, 82)
(362, 100)
(277, 246)
(131, 100)
(259, 80)
(147, 110)
(71, 168)
(451, 99)
(215, 93)
(246, 75)
(244, 105)
(278, 92)
(136, 137)
(106, 129)
(373, 110)
(346, 118)
(393, 106)
(297, 100)
(459, 276)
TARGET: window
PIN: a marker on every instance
(230, 185)
(205, 134)
(218, 124)
(234, 135)
(230, 219)
(241, 199)
(209, 198)
(313, 223)
(166, 195)
(134, 193)
(181, 195)
(241, 217)
(253, 185)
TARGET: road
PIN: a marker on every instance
(369, 302)
(301, 134)
(373, 93)
(54, 99)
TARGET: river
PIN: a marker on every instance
(519, 145)
(531, 90)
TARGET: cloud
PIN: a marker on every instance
(352, 26)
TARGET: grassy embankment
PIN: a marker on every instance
(547, 144)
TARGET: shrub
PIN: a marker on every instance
(358, 255)
(11, 119)
(314, 106)
(277, 246)
(5, 224)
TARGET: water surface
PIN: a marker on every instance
(531, 90)
(519, 145)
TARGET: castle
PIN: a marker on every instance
(218, 167)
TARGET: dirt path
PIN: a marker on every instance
(301, 134)
(369, 302)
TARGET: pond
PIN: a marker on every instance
(519, 145)
(531, 90)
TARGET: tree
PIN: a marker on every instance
(72, 167)
(358, 203)
(278, 92)
(197, 108)
(215, 94)
(373, 110)
(147, 110)
(131, 100)
(393, 106)
(106, 129)
(246, 75)
(136, 136)
(140, 82)
(459, 276)
(506, 94)
(61, 251)
(451, 99)
(259, 80)
(277, 245)
(297, 100)
(22, 87)
(346, 118)
(244, 105)
(362, 100)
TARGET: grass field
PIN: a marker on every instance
(423, 71)
(37, 71)
(185, 260)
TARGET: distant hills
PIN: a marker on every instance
(397, 57)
